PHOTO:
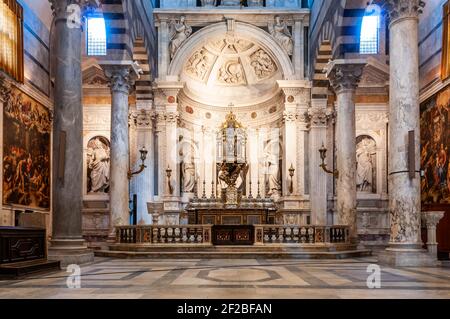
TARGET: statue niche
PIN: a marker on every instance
(188, 169)
(366, 164)
(272, 165)
(98, 165)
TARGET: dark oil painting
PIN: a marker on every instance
(435, 148)
(26, 152)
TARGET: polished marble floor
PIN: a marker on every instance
(232, 278)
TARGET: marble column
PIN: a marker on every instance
(344, 76)
(317, 177)
(67, 243)
(404, 116)
(431, 219)
(144, 182)
(121, 76)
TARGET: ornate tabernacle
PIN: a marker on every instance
(231, 158)
(232, 207)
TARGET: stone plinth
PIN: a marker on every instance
(431, 219)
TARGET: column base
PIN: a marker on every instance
(407, 257)
(70, 251)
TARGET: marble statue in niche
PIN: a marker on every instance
(231, 73)
(262, 64)
(366, 164)
(179, 32)
(188, 174)
(199, 64)
(273, 173)
(280, 32)
(98, 165)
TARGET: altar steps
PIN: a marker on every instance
(338, 251)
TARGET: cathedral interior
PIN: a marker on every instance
(263, 148)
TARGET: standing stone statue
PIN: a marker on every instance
(280, 32)
(274, 178)
(364, 172)
(179, 32)
(188, 176)
(98, 166)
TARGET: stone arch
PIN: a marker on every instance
(248, 31)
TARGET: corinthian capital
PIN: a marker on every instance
(121, 76)
(73, 9)
(344, 74)
(398, 9)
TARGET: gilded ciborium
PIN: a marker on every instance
(231, 157)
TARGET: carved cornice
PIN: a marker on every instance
(344, 76)
(398, 9)
(73, 9)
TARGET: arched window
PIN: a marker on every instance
(96, 36)
(370, 31)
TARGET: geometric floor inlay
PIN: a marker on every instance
(233, 278)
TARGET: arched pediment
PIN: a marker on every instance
(240, 66)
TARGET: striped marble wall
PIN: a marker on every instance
(430, 45)
(36, 48)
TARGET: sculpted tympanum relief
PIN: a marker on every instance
(231, 73)
(262, 64)
(199, 64)
(230, 53)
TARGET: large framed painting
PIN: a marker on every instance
(26, 152)
(435, 148)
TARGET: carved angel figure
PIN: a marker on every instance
(281, 33)
(179, 32)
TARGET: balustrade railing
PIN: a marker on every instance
(201, 234)
(164, 234)
(295, 234)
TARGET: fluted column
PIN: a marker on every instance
(344, 76)
(317, 177)
(121, 77)
(404, 116)
(67, 242)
